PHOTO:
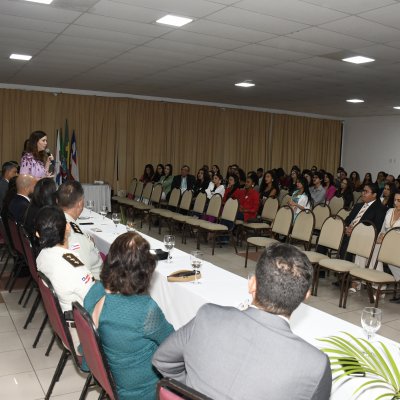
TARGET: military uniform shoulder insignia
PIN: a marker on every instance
(73, 259)
(75, 228)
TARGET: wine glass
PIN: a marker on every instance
(90, 205)
(169, 243)
(196, 258)
(103, 211)
(371, 320)
(130, 224)
(116, 217)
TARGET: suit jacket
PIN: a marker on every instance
(18, 207)
(375, 213)
(190, 181)
(230, 354)
(3, 190)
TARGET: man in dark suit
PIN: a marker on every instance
(8, 171)
(226, 353)
(21, 201)
(184, 181)
(371, 209)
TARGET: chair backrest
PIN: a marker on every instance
(230, 210)
(270, 209)
(138, 190)
(283, 221)
(174, 198)
(169, 389)
(93, 350)
(303, 226)
(389, 251)
(156, 194)
(282, 194)
(186, 200)
(55, 314)
(362, 240)
(285, 200)
(15, 238)
(332, 232)
(336, 204)
(321, 213)
(343, 213)
(29, 254)
(356, 196)
(146, 194)
(199, 203)
(132, 186)
(214, 206)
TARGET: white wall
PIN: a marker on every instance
(371, 145)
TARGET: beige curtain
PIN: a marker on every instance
(120, 135)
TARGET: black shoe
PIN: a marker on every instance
(396, 300)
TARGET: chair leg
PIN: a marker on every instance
(58, 372)
(198, 239)
(13, 277)
(4, 266)
(29, 294)
(213, 242)
(346, 291)
(102, 394)
(234, 242)
(33, 310)
(39, 334)
(342, 289)
(86, 387)
(50, 345)
(27, 286)
(370, 293)
(247, 255)
(318, 269)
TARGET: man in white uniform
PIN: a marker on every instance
(71, 200)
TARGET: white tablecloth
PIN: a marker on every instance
(180, 301)
(100, 194)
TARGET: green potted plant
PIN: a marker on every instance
(350, 356)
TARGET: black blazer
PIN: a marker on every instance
(176, 182)
(18, 207)
(376, 214)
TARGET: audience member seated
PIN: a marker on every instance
(308, 175)
(346, 192)
(367, 180)
(301, 198)
(282, 178)
(215, 187)
(8, 171)
(44, 194)
(389, 179)
(11, 193)
(340, 174)
(269, 187)
(232, 189)
(67, 273)
(387, 197)
(355, 181)
(130, 323)
(148, 174)
(380, 181)
(20, 202)
(241, 175)
(294, 174)
(249, 200)
(166, 181)
(35, 161)
(159, 173)
(317, 190)
(260, 176)
(71, 199)
(184, 181)
(329, 186)
(201, 183)
(226, 353)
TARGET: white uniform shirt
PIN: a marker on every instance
(71, 283)
(219, 190)
(83, 245)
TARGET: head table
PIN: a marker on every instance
(180, 301)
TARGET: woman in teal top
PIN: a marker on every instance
(130, 323)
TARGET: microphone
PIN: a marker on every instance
(53, 161)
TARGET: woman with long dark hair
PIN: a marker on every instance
(301, 198)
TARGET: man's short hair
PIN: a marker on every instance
(69, 193)
(283, 277)
(7, 166)
(373, 186)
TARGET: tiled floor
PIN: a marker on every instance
(25, 373)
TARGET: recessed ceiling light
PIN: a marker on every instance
(245, 84)
(396, 107)
(41, 1)
(174, 20)
(23, 57)
(358, 59)
(355, 101)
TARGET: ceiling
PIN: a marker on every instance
(291, 49)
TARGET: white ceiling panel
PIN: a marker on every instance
(251, 20)
(386, 15)
(14, 33)
(252, 59)
(293, 10)
(351, 6)
(10, 21)
(380, 53)
(162, 56)
(273, 52)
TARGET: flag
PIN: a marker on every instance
(58, 169)
(74, 169)
(65, 154)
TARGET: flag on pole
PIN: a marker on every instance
(65, 154)
(58, 168)
(74, 169)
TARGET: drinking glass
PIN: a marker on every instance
(90, 205)
(116, 217)
(371, 320)
(103, 211)
(196, 258)
(130, 224)
(169, 243)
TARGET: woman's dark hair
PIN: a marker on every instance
(157, 175)
(50, 226)
(392, 190)
(32, 148)
(331, 180)
(129, 265)
(148, 176)
(280, 173)
(219, 176)
(275, 184)
(217, 168)
(304, 182)
(44, 193)
(235, 186)
(242, 175)
(170, 169)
